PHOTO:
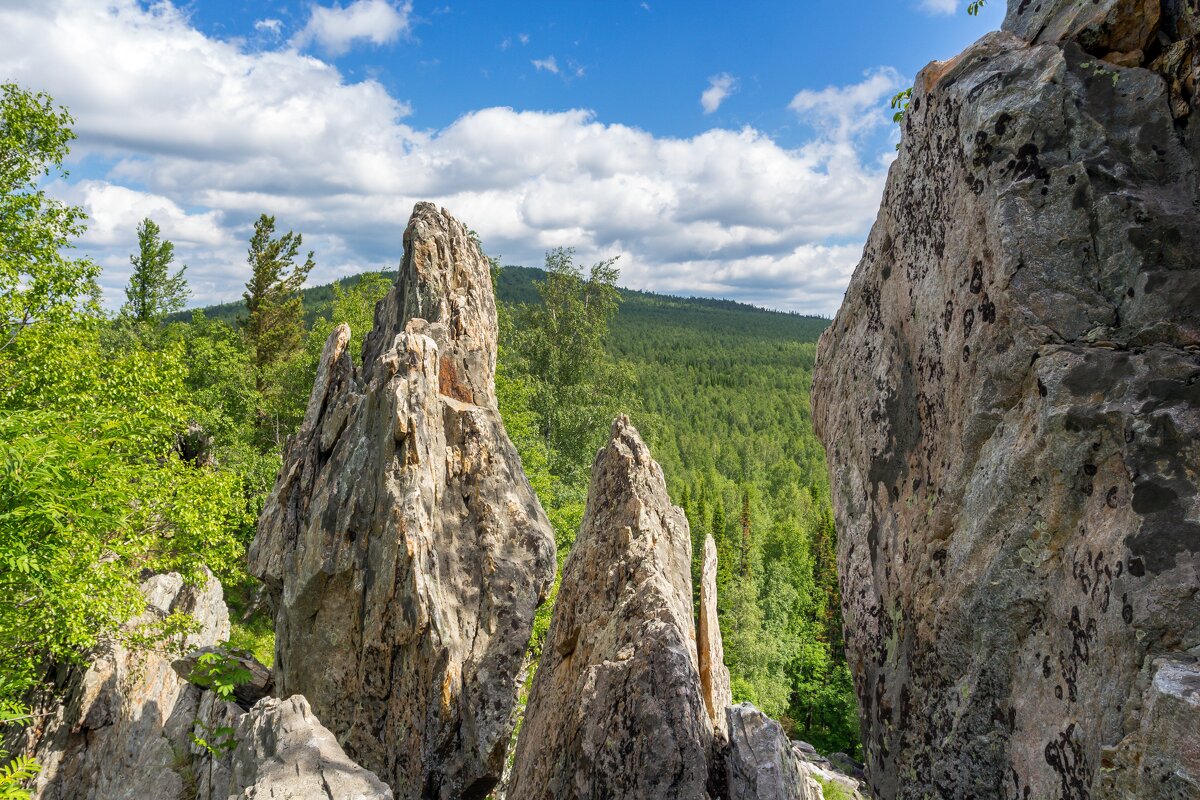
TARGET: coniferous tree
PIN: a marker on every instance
(153, 292)
(275, 324)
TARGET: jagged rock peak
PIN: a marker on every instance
(446, 280)
(402, 538)
(714, 675)
(1010, 402)
(615, 709)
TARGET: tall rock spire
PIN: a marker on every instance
(404, 543)
(616, 710)
(714, 675)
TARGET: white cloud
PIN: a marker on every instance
(846, 111)
(719, 88)
(523, 38)
(204, 136)
(336, 29)
(271, 26)
(549, 64)
(938, 6)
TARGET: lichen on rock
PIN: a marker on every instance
(1010, 402)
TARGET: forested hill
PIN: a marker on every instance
(722, 318)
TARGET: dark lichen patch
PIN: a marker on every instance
(1067, 757)
(1098, 373)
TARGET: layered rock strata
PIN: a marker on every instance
(1010, 401)
(404, 544)
(616, 708)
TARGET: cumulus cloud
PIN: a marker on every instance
(938, 6)
(846, 111)
(336, 29)
(719, 88)
(549, 64)
(204, 136)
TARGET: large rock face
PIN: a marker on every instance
(120, 729)
(405, 545)
(615, 710)
(1010, 400)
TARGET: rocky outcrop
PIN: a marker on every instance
(615, 710)
(1010, 402)
(259, 681)
(283, 752)
(762, 762)
(714, 675)
(405, 547)
(120, 728)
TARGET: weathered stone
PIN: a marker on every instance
(762, 763)
(405, 545)
(1010, 402)
(283, 752)
(259, 684)
(1100, 26)
(615, 710)
(1160, 758)
(121, 728)
(714, 675)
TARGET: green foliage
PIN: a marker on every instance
(289, 382)
(831, 790)
(217, 740)
(38, 282)
(574, 387)
(900, 103)
(15, 773)
(725, 397)
(275, 324)
(252, 628)
(153, 292)
(975, 7)
(92, 492)
(22, 768)
(220, 672)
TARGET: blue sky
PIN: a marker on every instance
(732, 150)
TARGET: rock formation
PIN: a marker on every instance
(283, 752)
(404, 544)
(1010, 401)
(762, 763)
(124, 727)
(714, 675)
(260, 682)
(118, 728)
(615, 710)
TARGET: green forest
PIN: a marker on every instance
(146, 439)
